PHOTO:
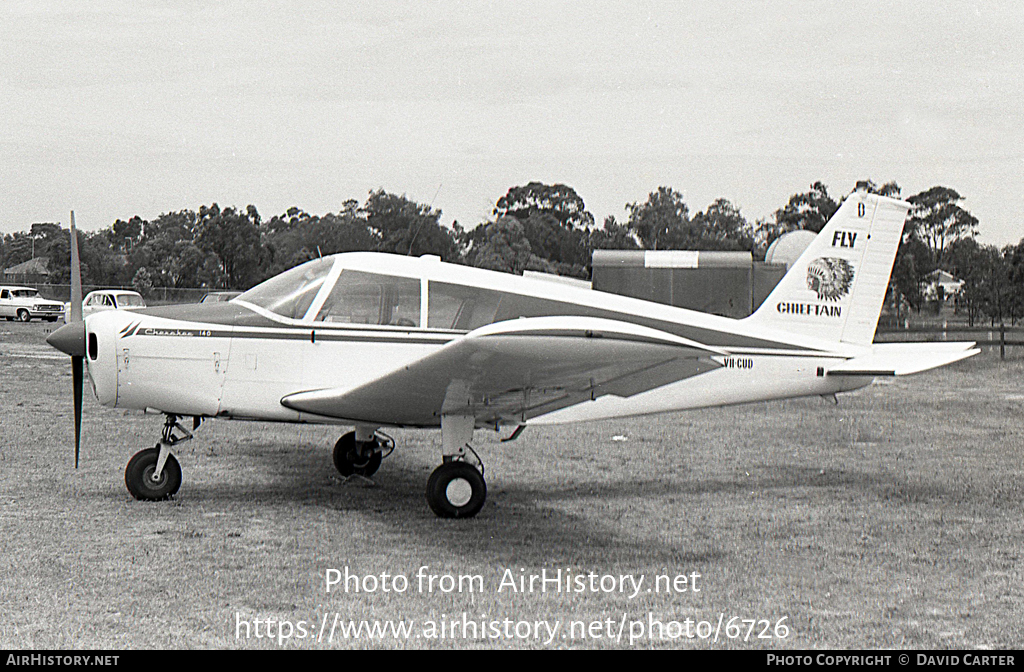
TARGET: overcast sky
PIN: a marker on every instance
(116, 109)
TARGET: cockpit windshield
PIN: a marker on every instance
(291, 293)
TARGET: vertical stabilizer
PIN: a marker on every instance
(835, 289)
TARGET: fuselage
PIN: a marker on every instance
(349, 319)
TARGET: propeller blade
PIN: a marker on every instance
(77, 381)
(76, 275)
(78, 359)
(70, 338)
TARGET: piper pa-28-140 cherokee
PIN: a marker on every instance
(376, 340)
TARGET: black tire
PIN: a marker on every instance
(23, 315)
(138, 476)
(446, 493)
(349, 461)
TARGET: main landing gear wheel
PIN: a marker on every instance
(351, 457)
(138, 476)
(456, 490)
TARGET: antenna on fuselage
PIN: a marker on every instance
(429, 208)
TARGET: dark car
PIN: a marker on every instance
(218, 296)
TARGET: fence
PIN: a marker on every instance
(1002, 335)
(155, 297)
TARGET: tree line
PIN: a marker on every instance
(543, 227)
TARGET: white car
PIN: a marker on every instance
(24, 303)
(111, 299)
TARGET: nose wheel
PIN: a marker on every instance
(143, 480)
(154, 474)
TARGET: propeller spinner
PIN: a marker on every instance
(70, 338)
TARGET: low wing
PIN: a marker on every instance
(901, 359)
(509, 372)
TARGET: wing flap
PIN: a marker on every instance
(511, 371)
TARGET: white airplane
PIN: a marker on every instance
(376, 340)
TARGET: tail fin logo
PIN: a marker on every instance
(830, 278)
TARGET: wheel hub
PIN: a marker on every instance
(360, 456)
(152, 477)
(459, 492)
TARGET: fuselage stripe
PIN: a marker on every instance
(296, 335)
(381, 336)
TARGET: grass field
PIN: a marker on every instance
(891, 520)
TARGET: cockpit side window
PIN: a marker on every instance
(372, 298)
(460, 307)
(291, 293)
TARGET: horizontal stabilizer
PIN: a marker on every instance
(902, 359)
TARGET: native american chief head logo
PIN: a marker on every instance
(830, 277)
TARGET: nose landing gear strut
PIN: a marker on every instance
(154, 473)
